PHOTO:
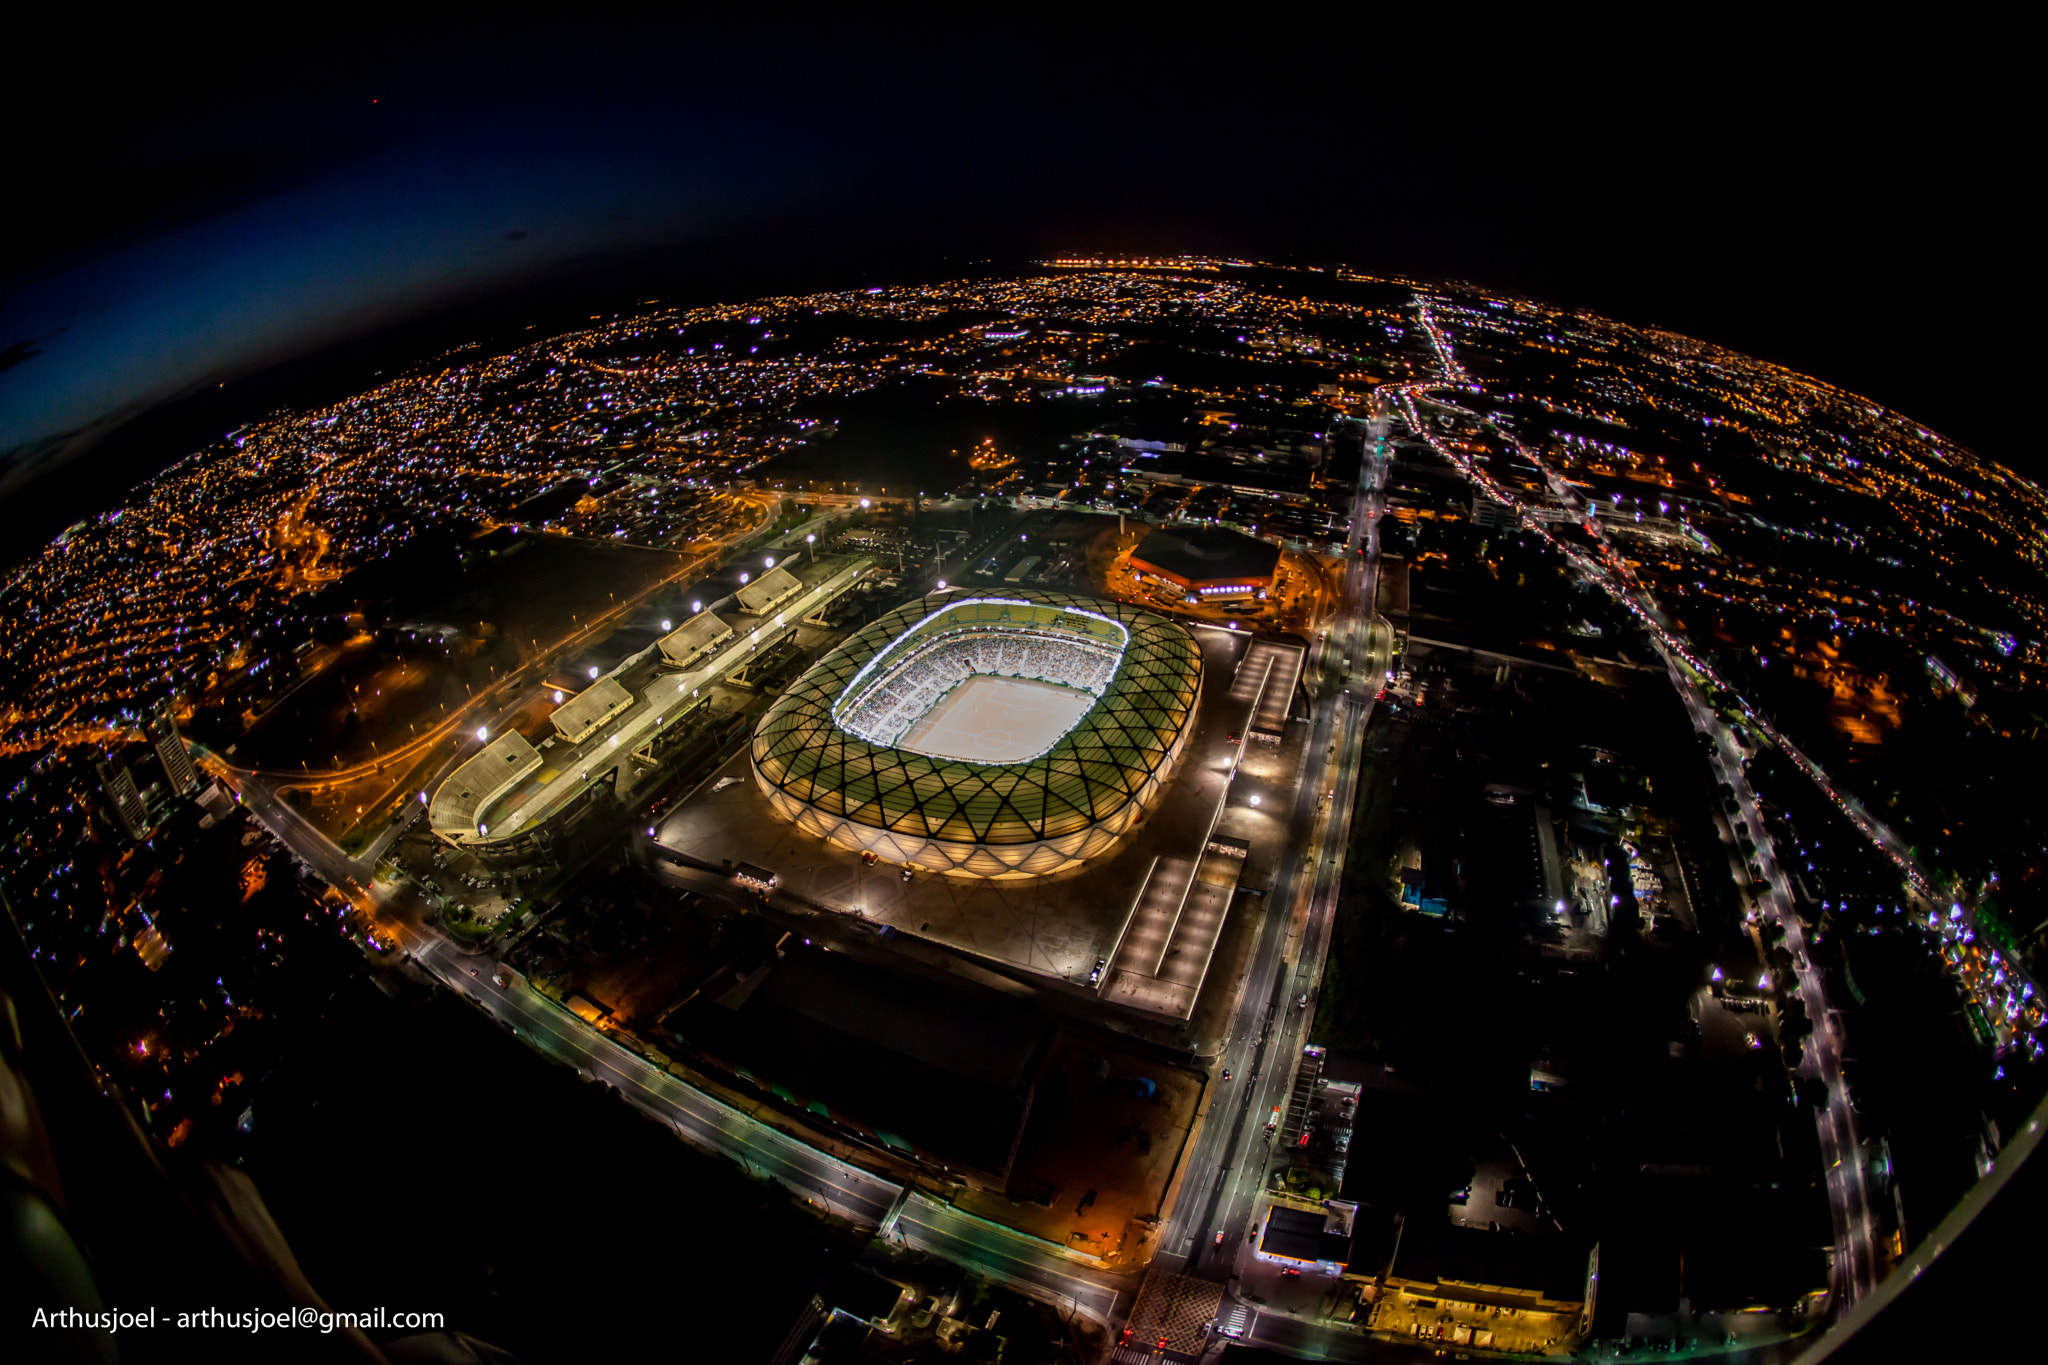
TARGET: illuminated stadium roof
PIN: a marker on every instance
(1137, 673)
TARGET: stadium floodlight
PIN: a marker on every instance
(666, 624)
(593, 672)
(423, 798)
(696, 607)
(863, 502)
(482, 733)
(1255, 798)
(558, 696)
(811, 539)
(745, 576)
(942, 585)
(768, 562)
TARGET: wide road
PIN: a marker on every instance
(1024, 1263)
(1010, 1257)
(1856, 1264)
(1856, 1268)
(1227, 1170)
(563, 1037)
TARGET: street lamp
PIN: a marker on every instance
(558, 696)
(593, 672)
(482, 733)
(769, 562)
(696, 607)
(1255, 798)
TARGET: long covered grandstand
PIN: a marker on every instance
(1004, 736)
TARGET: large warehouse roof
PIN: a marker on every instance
(1195, 554)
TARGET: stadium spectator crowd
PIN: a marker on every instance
(886, 710)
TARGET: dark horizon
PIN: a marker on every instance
(271, 234)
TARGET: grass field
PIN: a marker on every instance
(997, 720)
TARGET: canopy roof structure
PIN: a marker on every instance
(464, 799)
(688, 643)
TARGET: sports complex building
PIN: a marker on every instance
(1208, 564)
(1000, 736)
(516, 800)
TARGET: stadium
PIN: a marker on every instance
(1011, 736)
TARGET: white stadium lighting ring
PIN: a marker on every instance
(1092, 702)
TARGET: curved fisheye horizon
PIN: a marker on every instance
(1105, 701)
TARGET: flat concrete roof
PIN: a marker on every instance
(765, 591)
(590, 708)
(683, 645)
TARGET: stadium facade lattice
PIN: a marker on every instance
(835, 753)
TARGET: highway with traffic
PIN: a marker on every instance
(1856, 1266)
(832, 1185)
(1227, 1167)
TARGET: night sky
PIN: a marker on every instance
(226, 224)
